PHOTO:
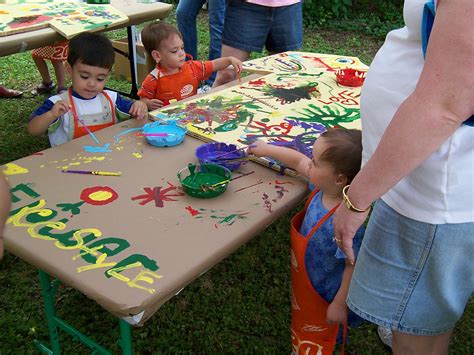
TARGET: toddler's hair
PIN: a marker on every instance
(155, 33)
(344, 151)
(91, 49)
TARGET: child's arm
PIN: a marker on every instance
(289, 157)
(40, 124)
(139, 109)
(147, 93)
(222, 63)
(152, 104)
(337, 310)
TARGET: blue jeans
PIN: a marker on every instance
(410, 276)
(186, 14)
(250, 27)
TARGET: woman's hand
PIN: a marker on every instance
(346, 223)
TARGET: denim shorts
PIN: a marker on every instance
(410, 276)
(251, 27)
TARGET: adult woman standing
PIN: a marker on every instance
(251, 25)
(418, 157)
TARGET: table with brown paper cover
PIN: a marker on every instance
(137, 13)
(131, 242)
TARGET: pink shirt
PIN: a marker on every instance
(273, 3)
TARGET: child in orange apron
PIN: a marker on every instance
(174, 78)
(86, 106)
(320, 275)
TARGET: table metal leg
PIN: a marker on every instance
(131, 58)
(125, 340)
(48, 290)
(131, 55)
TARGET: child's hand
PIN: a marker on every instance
(337, 313)
(60, 108)
(237, 64)
(139, 110)
(154, 104)
(258, 148)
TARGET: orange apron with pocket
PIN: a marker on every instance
(79, 130)
(310, 333)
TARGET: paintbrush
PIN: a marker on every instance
(89, 131)
(232, 151)
(89, 172)
(230, 160)
(204, 187)
(153, 134)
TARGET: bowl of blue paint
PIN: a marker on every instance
(224, 154)
(164, 134)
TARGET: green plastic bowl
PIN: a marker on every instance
(204, 180)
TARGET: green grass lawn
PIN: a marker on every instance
(240, 306)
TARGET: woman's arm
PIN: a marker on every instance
(441, 101)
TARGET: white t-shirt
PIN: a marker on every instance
(441, 190)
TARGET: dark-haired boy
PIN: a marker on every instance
(86, 103)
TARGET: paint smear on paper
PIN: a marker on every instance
(14, 169)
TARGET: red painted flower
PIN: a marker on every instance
(98, 195)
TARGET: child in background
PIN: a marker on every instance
(320, 274)
(63, 116)
(9, 93)
(174, 78)
(4, 208)
(57, 55)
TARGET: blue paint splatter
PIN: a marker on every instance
(98, 149)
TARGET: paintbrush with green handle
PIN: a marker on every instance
(210, 187)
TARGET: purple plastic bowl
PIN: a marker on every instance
(220, 153)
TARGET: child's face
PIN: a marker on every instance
(321, 173)
(88, 81)
(171, 54)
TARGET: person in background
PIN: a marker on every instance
(320, 272)
(86, 106)
(4, 207)
(57, 54)
(6, 93)
(186, 14)
(174, 78)
(251, 25)
(414, 273)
